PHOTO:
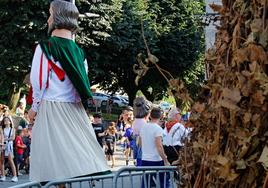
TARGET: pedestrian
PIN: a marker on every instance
(110, 142)
(125, 116)
(128, 140)
(98, 128)
(19, 149)
(153, 154)
(26, 154)
(23, 102)
(6, 113)
(20, 109)
(141, 110)
(9, 137)
(63, 144)
(24, 120)
(109, 105)
(174, 135)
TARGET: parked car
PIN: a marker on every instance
(125, 98)
(99, 99)
(118, 101)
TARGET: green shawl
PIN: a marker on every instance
(71, 58)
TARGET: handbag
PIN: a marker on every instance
(6, 143)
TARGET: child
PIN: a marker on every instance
(128, 139)
(110, 142)
(26, 153)
(19, 148)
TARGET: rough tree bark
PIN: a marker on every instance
(14, 97)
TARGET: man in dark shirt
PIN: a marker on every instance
(98, 128)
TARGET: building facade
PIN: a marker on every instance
(210, 29)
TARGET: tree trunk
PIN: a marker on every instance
(148, 95)
(14, 97)
(131, 95)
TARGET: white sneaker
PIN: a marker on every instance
(19, 173)
(3, 178)
(14, 179)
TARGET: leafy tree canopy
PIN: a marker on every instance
(22, 25)
(112, 39)
(170, 29)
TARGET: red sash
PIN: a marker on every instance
(60, 73)
(29, 97)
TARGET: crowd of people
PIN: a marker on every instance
(15, 143)
(149, 136)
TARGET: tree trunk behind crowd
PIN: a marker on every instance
(228, 147)
(131, 95)
(14, 97)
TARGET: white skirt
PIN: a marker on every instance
(64, 144)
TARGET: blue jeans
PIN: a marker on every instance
(19, 159)
(137, 152)
(161, 175)
(138, 155)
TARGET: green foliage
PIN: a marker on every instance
(22, 25)
(194, 77)
(172, 34)
(170, 100)
(111, 41)
(110, 117)
(180, 39)
(94, 31)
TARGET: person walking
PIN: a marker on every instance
(141, 110)
(174, 135)
(153, 154)
(109, 105)
(26, 154)
(98, 128)
(63, 144)
(128, 140)
(110, 143)
(125, 116)
(9, 137)
(19, 149)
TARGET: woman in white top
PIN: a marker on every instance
(9, 137)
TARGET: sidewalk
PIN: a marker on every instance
(120, 160)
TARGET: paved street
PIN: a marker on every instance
(120, 162)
